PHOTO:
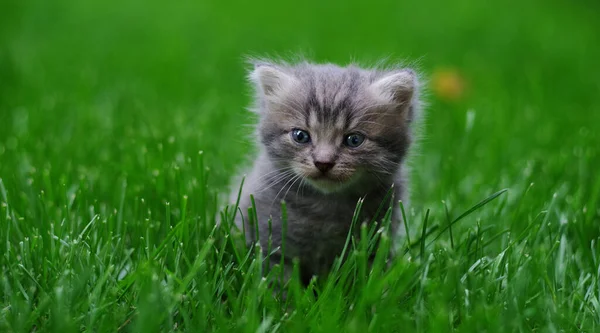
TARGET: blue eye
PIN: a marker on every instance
(354, 140)
(300, 136)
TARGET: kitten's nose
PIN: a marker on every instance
(324, 166)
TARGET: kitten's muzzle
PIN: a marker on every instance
(324, 167)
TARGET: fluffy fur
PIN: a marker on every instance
(322, 180)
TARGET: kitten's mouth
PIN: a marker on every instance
(323, 177)
(328, 178)
(328, 183)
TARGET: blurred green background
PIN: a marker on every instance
(111, 101)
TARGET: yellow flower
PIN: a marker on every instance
(448, 84)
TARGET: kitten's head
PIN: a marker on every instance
(335, 126)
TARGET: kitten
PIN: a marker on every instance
(327, 137)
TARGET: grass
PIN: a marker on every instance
(121, 124)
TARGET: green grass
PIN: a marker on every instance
(121, 123)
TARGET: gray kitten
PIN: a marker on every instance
(328, 136)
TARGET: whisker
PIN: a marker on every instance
(276, 172)
(300, 186)
(284, 185)
(289, 188)
(275, 182)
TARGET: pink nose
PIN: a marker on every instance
(324, 166)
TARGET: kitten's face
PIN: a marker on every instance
(334, 128)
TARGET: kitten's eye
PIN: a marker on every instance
(300, 136)
(354, 140)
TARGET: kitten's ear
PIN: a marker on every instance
(270, 79)
(397, 86)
